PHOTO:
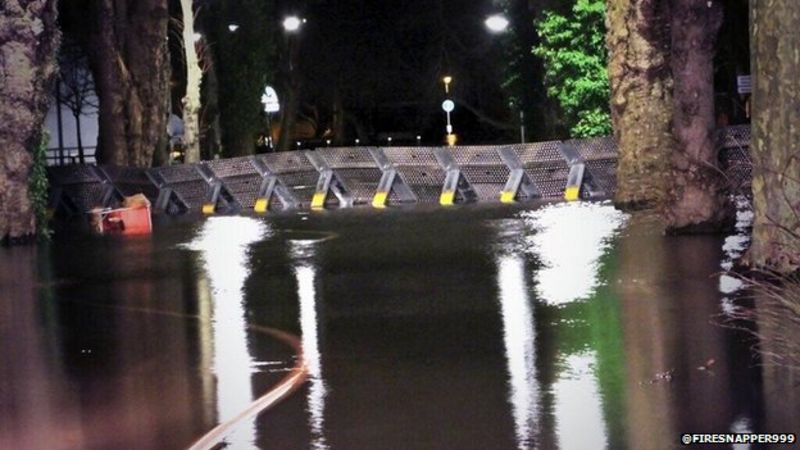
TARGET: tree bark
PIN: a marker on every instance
(288, 116)
(696, 195)
(210, 134)
(130, 62)
(29, 40)
(775, 143)
(641, 98)
(194, 76)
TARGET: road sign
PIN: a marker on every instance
(270, 100)
(744, 84)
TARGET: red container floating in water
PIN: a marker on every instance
(130, 221)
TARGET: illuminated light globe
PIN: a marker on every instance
(497, 23)
(292, 23)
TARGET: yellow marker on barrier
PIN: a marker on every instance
(209, 208)
(318, 202)
(448, 198)
(379, 201)
(507, 196)
(572, 193)
(261, 206)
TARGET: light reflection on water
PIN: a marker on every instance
(579, 417)
(306, 273)
(569, 240)
(519, 337)
(223, 245)
(415, 336)
(733, 249)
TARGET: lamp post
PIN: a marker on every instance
(291, 27)
(497, 24)
(448, 106)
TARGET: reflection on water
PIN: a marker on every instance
(580, 423)
(734, 247)
(570, 239)
(518, 337)
(305, 272)
(562, 328)
(223, 244)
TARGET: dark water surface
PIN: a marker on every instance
(482, 328)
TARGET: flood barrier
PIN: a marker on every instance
(331, 178)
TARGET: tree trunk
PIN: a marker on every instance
(130, 63)
(641, 98)
(210, 135)
(194, 75)
(29, 39)
(338, 117)
(288, 117)
(775, 143)
(696, 195)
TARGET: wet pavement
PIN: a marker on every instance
(564, 327)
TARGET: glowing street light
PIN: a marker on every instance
(497, 23)
(447, 80)
(233, 27)
(292, 24)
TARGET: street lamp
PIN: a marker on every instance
(233, 27)
(448, 106)
(497, 23)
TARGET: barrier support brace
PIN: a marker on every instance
(271, 186)
(391, 181)
(328, 183)
(454, 182)
(579, 178)
(166, 196)
(518, 180)
(217, 193)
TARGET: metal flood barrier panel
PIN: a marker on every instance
(419, 169)
(77, 189)
(330, 178)
(296, 172)
(241, 179)
(545, 167)
(483, 170)
(354, 169)
(735, 158)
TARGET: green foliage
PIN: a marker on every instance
(38, 186)
(574, 53)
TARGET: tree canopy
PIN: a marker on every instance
(573, 48)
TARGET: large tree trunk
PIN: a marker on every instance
(775, 141)
(696, 195)
(130, 62)
(194, 75)
(641, 98)
(288, 117)
(29, 40)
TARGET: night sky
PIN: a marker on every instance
(387, 60)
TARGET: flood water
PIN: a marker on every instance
(561, 327)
